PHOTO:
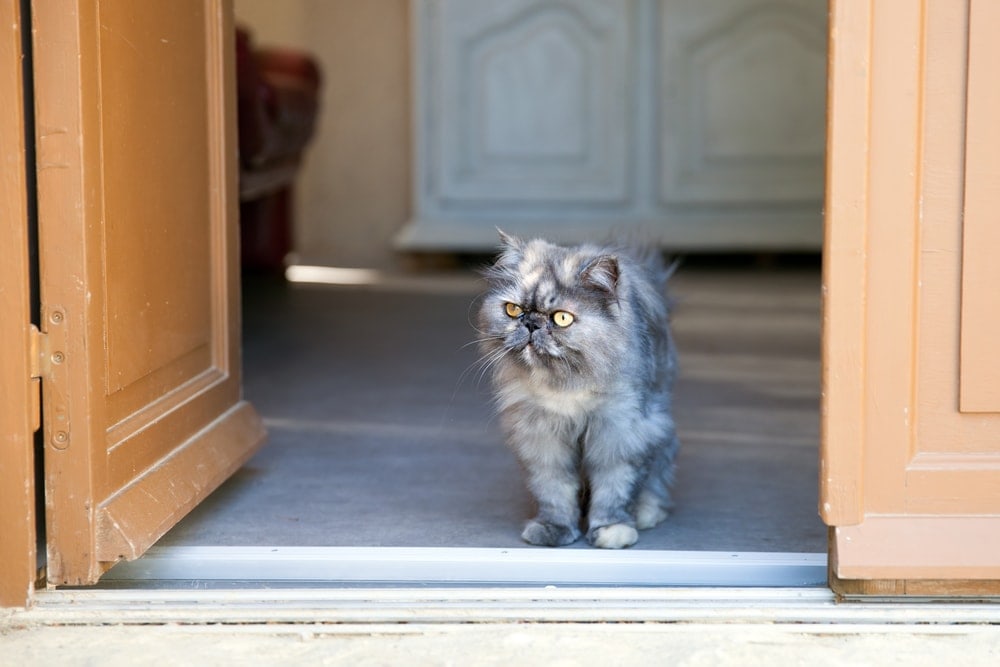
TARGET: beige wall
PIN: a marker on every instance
(354, 193)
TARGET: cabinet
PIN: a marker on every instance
(699, 122)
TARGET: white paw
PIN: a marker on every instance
(615, 536)
(649, 514)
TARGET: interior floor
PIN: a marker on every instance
(382, 433)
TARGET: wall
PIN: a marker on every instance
(354, 193)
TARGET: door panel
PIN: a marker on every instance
(137, 214)
(980, 390)
(911, 458)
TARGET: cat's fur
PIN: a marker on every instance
(586, 407)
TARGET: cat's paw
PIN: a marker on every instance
(615, 536)
(649, 514)
(545, 534)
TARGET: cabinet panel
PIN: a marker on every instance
(533, 100)
(743, 101)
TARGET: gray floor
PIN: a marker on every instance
(381, 431)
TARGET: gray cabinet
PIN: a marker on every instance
(700, 123)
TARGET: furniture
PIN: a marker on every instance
(278, 92)
(700, 123)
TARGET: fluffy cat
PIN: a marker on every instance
(583, 364)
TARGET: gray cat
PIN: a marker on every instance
(583, 364)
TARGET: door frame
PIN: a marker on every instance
(18, 393)
(845, 265)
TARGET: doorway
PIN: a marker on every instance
(383, 446)
(353, 407)
(381, 429)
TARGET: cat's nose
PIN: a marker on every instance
(534, 321)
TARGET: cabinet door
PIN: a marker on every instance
(698, 124)
(529, 101)
(136, 159)
(911, 462)
(741, 105)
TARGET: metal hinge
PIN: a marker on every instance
(38, 363)
(38, 352)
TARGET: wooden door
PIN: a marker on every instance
(137, 209)
(18, 391)
(910, 477)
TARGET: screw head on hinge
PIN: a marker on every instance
(60, 440)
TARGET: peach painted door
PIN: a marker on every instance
(910, 474)
(136, 159)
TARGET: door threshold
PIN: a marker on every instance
(394, 587)
(178, 566)
(415, 607)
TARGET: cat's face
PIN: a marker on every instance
(550, 307)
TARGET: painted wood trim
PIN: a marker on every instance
(844, 263)
(17, 475)
(895, 185)
(980, 363)
(134, 518)
(898, 547)
(66, 67)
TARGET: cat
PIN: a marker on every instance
(583, 365)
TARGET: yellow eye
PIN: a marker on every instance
(513, 310)
(562, 318)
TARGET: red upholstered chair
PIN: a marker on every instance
(278, 91)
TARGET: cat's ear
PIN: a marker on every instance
(602, 273)
(508, 241)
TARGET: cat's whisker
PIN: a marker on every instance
(479, 331)
(488, 363)
(500, 355)
(476, 341)
(483, 364)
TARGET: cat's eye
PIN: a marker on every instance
(562, 318)
(513, 310)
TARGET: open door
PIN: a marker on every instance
(137, 209)
(910, 475)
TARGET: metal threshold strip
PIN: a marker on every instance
(415, 607)
(336, 589)
(457, 566)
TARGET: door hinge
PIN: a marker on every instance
(37, 364)
(37, 353)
